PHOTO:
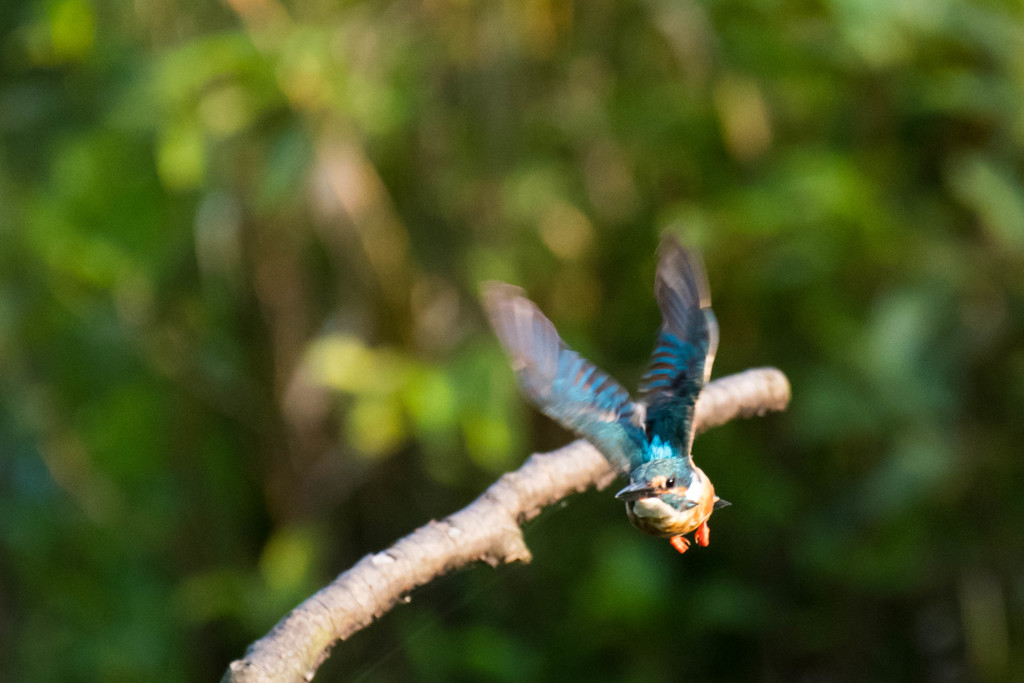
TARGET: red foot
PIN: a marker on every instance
(680, 543)
(703, 534)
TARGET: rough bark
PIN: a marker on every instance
(487, 530)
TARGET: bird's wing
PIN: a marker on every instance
(565, 386)
(681, 362)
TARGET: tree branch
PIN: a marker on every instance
(487, 530)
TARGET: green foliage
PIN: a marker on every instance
(240, 345)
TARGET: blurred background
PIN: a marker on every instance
(240, 343)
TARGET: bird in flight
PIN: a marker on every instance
(650, 437)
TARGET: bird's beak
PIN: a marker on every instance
(636, 491)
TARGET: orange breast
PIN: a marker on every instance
(663, 520)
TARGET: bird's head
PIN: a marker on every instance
(668, 497)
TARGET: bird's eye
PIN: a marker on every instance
(670, 482)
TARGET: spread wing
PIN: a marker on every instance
(566, 387)
(681, 362)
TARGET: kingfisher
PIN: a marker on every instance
(651, 437)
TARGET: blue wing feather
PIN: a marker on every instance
(564, 385)
(681, 362)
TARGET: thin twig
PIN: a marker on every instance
(487, 530)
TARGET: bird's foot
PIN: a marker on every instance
(680, 543)
(703, 534)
